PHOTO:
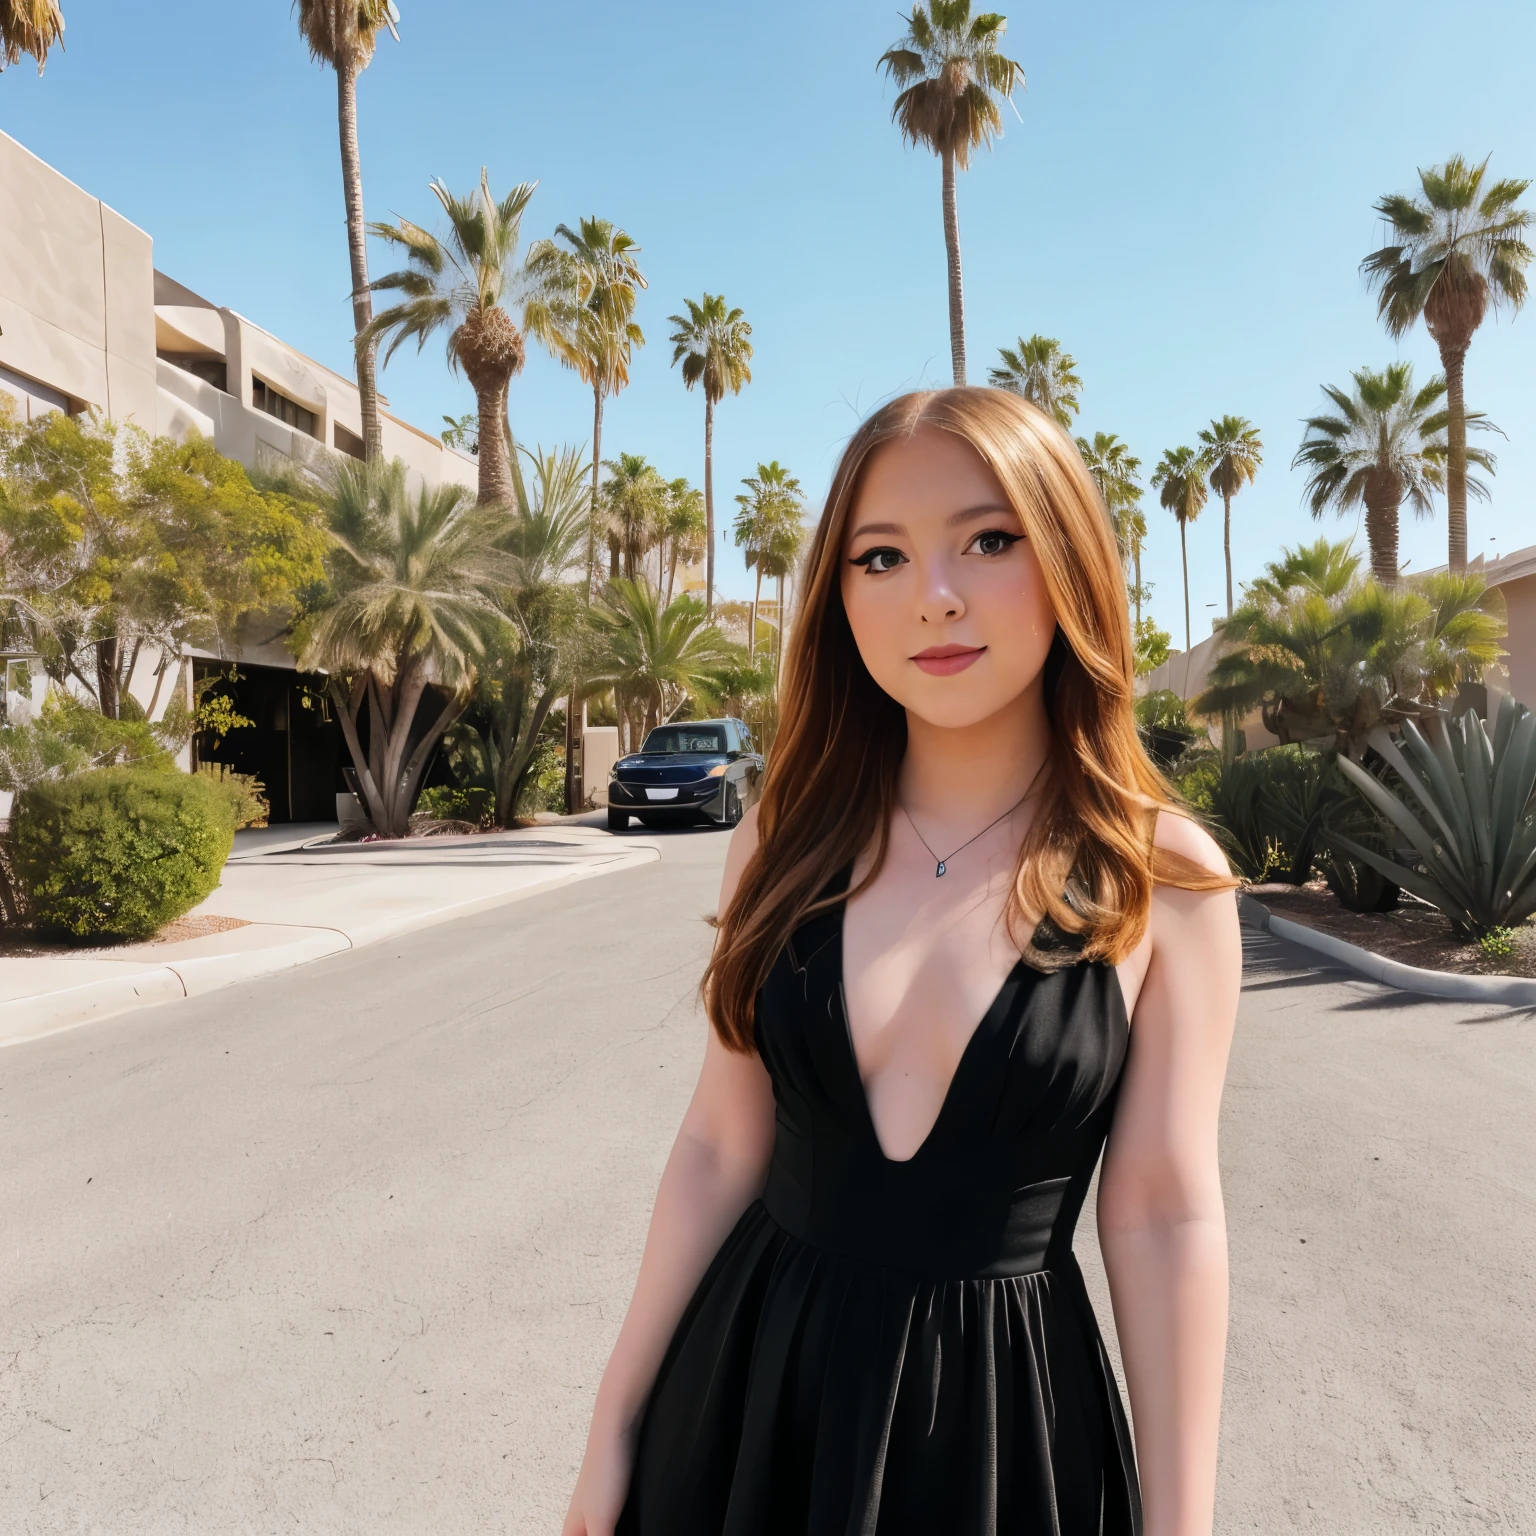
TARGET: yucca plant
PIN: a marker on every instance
(1472, 830)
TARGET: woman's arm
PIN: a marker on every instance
(1162, 1229)
(717, 1168)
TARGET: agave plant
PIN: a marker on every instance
(1472, 831)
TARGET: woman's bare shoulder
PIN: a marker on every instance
(1181, 834)
(742, 846)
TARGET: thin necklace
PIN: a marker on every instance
(940, 865)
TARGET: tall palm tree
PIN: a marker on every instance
(29, 26)
(409, 580)
(1045, 376)
(1179, 480)
(596, 332)
(472, 281)
(1384, 445)
(1458, 251)
(952, 82)
(527, 659)
(342, 34)
(652, 655)
(1233, 453)
(1117, 473)
(771, 499)
(634, 504)
(711, 343)
(682, 528)
(778, 558)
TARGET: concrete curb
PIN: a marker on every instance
(1513, 991)
(141, 986)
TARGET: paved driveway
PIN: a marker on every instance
(343, 1250)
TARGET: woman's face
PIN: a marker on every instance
(944, 594)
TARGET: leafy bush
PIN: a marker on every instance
(1471, 828)
(446, 802)
(1271, 810)
(246, 793)
(118, 852)
(1498, 943)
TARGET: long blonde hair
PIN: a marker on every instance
(1087, 862)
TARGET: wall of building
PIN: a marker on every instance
(76, 293)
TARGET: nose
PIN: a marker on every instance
(937, 599)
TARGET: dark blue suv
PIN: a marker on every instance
(688, 771)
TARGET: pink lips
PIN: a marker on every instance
(946, 660)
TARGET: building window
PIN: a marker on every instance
(211, 370)
(350, 443)
(267, 399)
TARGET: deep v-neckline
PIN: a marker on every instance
(983, 1029)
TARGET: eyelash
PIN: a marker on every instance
(869, 556)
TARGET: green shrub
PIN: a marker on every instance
(118, 852)
(246, 793)
(449, 802)
(1498, 943)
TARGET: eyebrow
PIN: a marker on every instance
(965, 515)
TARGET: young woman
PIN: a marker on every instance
(966, 937)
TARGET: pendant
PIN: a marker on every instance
(940, 870)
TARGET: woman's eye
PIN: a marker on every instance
(879, 559)
(994, 541)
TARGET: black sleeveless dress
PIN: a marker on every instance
(904, 1348)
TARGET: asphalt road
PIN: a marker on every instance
(343, 1250)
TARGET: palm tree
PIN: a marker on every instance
(343, 33)
(29, 26)
(409, 581)
(710, 341)
(634, 503)
(1117, 473)
(682, 528)
(596, 334)
(1180, 480)
(1045, 376)
(527, 659)
(1321, 653)
(952, 82)
(1233, 453)
(778, 558)
(771, 499)
(470, 281)
(1459, 251)
(1386, 445)
(654, 656)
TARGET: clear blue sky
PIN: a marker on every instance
(1184, 204)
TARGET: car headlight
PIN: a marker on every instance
(717, 770)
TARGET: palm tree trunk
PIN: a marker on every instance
(1184, 555)
(1226, 544)
(1454, 360)
(709, 506)
(1136, 553)
(1381, 535)
(952, 251)
(778, 634)
(597, 460)
(671, 569)
(495, 466)
(757, 597)
(357, 249)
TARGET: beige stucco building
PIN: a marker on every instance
(88, 324)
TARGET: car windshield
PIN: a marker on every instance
(686, 738)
